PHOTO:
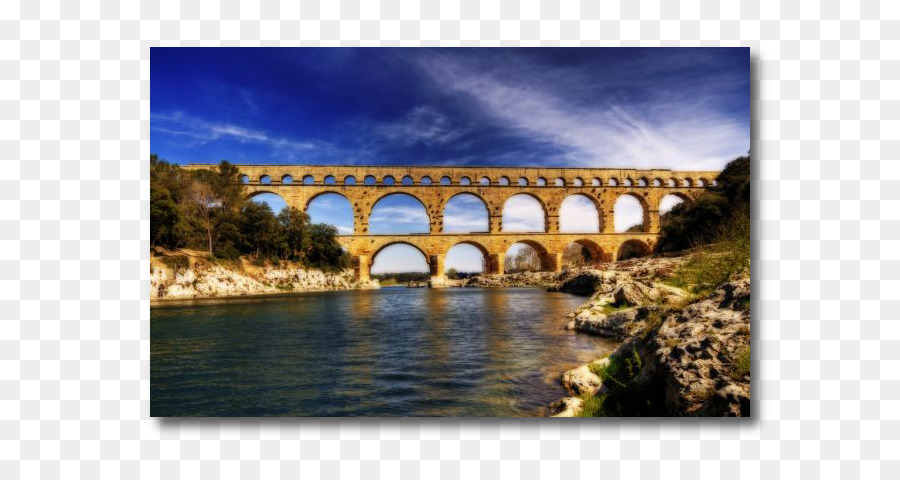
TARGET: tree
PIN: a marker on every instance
(452, 274)
(294, 224)
(201, 203)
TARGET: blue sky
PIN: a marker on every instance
(681, 108)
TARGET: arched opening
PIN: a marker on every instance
(596, 182)
(686, 182)
(245, 179)
(465, 181)
(523, 257)
(701, 182)
(670, 201)
(628, 214)
(523, 213)
(714, 183)
(578, 213)
(581, 253)
(578, 182)
(560, 182)
(369, 180)
(464, 259)
(287, 179)
(329, 180)
(407, 180)
(657, 182)
(632, 249)
(485, 181)
(671, 182)
(503, 181)
(446, 180)
(642, 182)
(465, 213)
(627, 182)
(523, 181)
(273, 200)
(387, 180)
(398, 214)
(398, 264)
(541, 182)
(349, 180)
(331, 209)
(426, 180)
(265, 180)
(308, 180)
(613, 182)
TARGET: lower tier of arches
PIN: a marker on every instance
(604, 247)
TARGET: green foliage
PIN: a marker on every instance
(701, 221)
(402, 278)
(741, 363)
(452, 274)
(625, 393)
(177, 262)
(207, 210)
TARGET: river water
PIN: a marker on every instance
(390, 352)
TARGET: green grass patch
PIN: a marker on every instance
(741, 363)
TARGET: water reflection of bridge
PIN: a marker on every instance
(364, 186)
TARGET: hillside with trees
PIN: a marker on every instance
(207, 210)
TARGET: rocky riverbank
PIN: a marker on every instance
(681, 355)
(188, 274)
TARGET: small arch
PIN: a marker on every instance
(613, 182)
(627, 182)
(701, 182)
(523, 181)
(485, 181)
(671, 182)
(329, 180)
(642, 182)
(596, 182)
(714, 182)
(632, 249)
(245, 179)
(578, 182)
(287, 180)
(308, 180)
(560, 182)
(503, 181)
(541, 182)
(445, 180)
(686, 182)
(265, 180)
(406, 180)
(426, 180)
(369, 180)
(465, 181)
(387, 180)
(349, 180)
(657, 182)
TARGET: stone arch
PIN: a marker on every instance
(626, 182)
(308, 180)
(541, 182)
(349, 180)
(250, 196)
(445, 180)
(685, 199)
(484, 181)
(595, 214)
(613, 182)
(387, 244)
(333, 215)
(632, 249)
(388, 194)
(591, 253)
(265, 179)
(596, 182)
(642, 182)
(388, 180)
(487, 212)
(645, 208)
(287, 179)
(702, 182)
(369, 180)
(578, 182)
(560, 182)
(541, 203)
(465, 181)
(328, 180)
(687, 182)
(407, 180)
(503, 181)
(539, 249)
(657, 182)
(244, 179)
(319, 194)
(426, 180)
(672, 182)
(523, 182)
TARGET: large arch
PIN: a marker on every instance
(275, 201)
(386, 247)
(510, 265)
(373, 217)
(342, 211)
(450, 262)
(632, 249)
(668, 201)
(623, 217)
(517, 221)
(579, 213)
(468, 205)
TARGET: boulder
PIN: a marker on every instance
(566, 407)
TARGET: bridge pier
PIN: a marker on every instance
(495, 263)
(552, 261)
(362, 263)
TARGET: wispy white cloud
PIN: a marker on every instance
(673, 132)
(201, 132)
(421, 125)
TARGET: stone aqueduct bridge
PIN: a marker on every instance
(363, 186)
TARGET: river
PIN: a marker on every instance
(480, 352)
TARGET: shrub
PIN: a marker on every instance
(177, 262)
(741, 363)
